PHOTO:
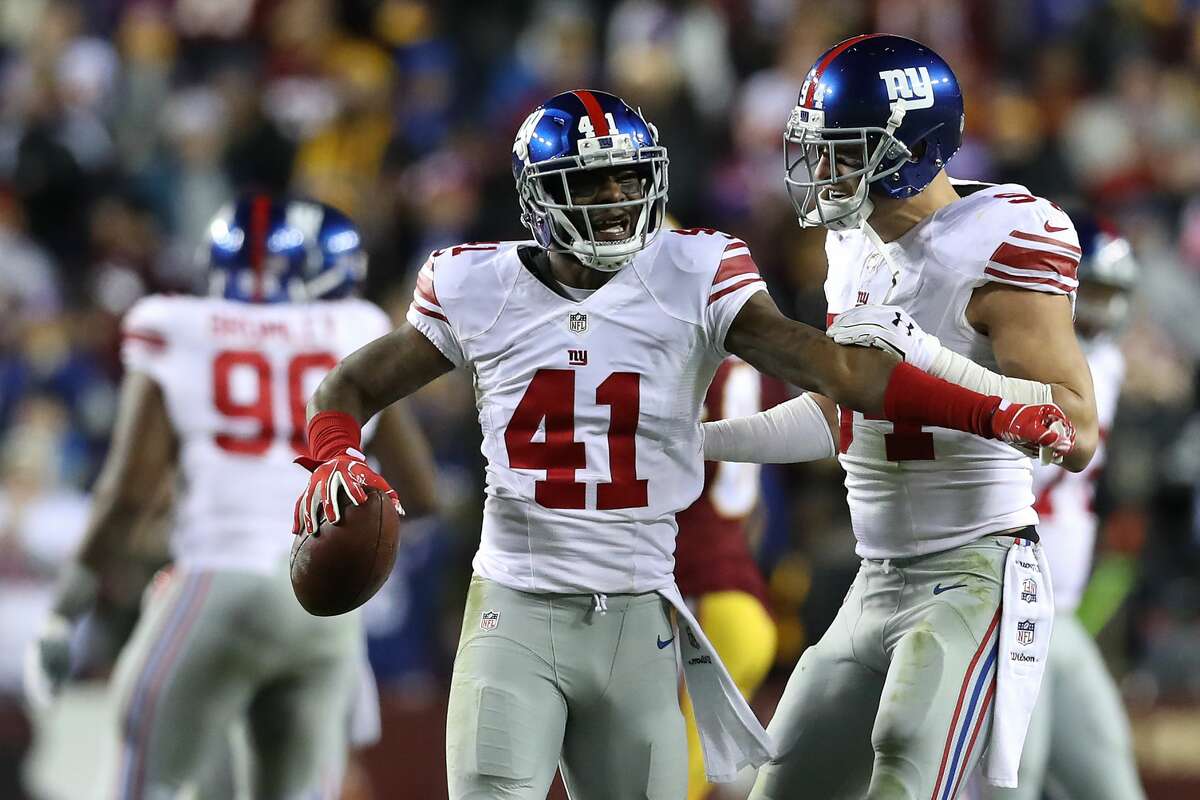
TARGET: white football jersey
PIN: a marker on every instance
(589, 410)
(236, 378)
(915, 490)
(1064, 499)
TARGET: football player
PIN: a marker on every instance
(591, 348)
(714, 569)
(214, 390)
(1078, 694)
(901, 694)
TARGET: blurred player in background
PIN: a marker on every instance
(214, 392)
(714, 567)
(1078, 746)
(592, 349)
(896, 699)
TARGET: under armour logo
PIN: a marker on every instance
(910, 87)
(898, 322)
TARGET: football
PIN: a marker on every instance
(339, 567)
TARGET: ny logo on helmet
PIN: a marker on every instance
(911, 86)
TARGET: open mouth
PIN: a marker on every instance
(612, 226)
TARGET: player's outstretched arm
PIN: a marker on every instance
(1033, 337)
(875, 382)
(379, 373)
(804, 356)
(141, 457)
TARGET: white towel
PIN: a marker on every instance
(730, 735)
(1026, 617)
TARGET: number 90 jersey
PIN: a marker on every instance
(589, 410)
(914, 490)
(235, 378)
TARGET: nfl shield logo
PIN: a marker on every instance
(578, 322)
(1025, 632)
(1029, 590)
(489, 620)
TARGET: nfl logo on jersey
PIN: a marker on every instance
(577, 322)
(1025, 631)
(1029, 590)
(489, 620)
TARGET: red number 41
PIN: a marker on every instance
(551, 397)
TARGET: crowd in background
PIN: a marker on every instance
(125, 124)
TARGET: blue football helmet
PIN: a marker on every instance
(575, 133)
(885, 111)
(1108, 274)
(264, 249)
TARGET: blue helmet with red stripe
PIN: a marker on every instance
(264, 249)
(887, 114)
(563, 151)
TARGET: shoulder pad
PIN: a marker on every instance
(686, 269)
(1009, 235)
(470, 282)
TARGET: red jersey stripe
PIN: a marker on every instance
(594, 112)
(427, 312)
(714, 297)
(738, 265)
(1005, 276)
(734, 245)
(819, 70)
(146, 337)
(425, 288)
(260, 217)
(1033, 237)
(1010, 255)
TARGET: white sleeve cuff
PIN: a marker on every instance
(956, 368)
(793, 431)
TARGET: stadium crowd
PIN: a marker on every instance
(125, 124)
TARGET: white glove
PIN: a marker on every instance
(886, 328)
(47, 662)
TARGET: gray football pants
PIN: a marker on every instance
(1078, 745)
(543, 678)
(894, 701)
(217, 646)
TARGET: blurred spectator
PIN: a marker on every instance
(125, 123)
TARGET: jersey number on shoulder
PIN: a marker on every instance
(259, 407)
(551, 397)
(907, 441)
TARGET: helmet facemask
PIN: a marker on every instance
(563, 225)
(870, 153)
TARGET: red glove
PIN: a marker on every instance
(1035, 429)
(337, 464)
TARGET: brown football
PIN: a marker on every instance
(342, 566)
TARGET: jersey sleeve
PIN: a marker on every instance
(1033, 245)
(145, 337)
(736, 281)
(427, 315)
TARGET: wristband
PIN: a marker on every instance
(332, 433)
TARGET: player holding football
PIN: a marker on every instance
(714, 568)
(591, 349)
(1078, 694)
(214, 392)
(896, 700)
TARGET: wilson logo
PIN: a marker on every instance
(911, 86)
